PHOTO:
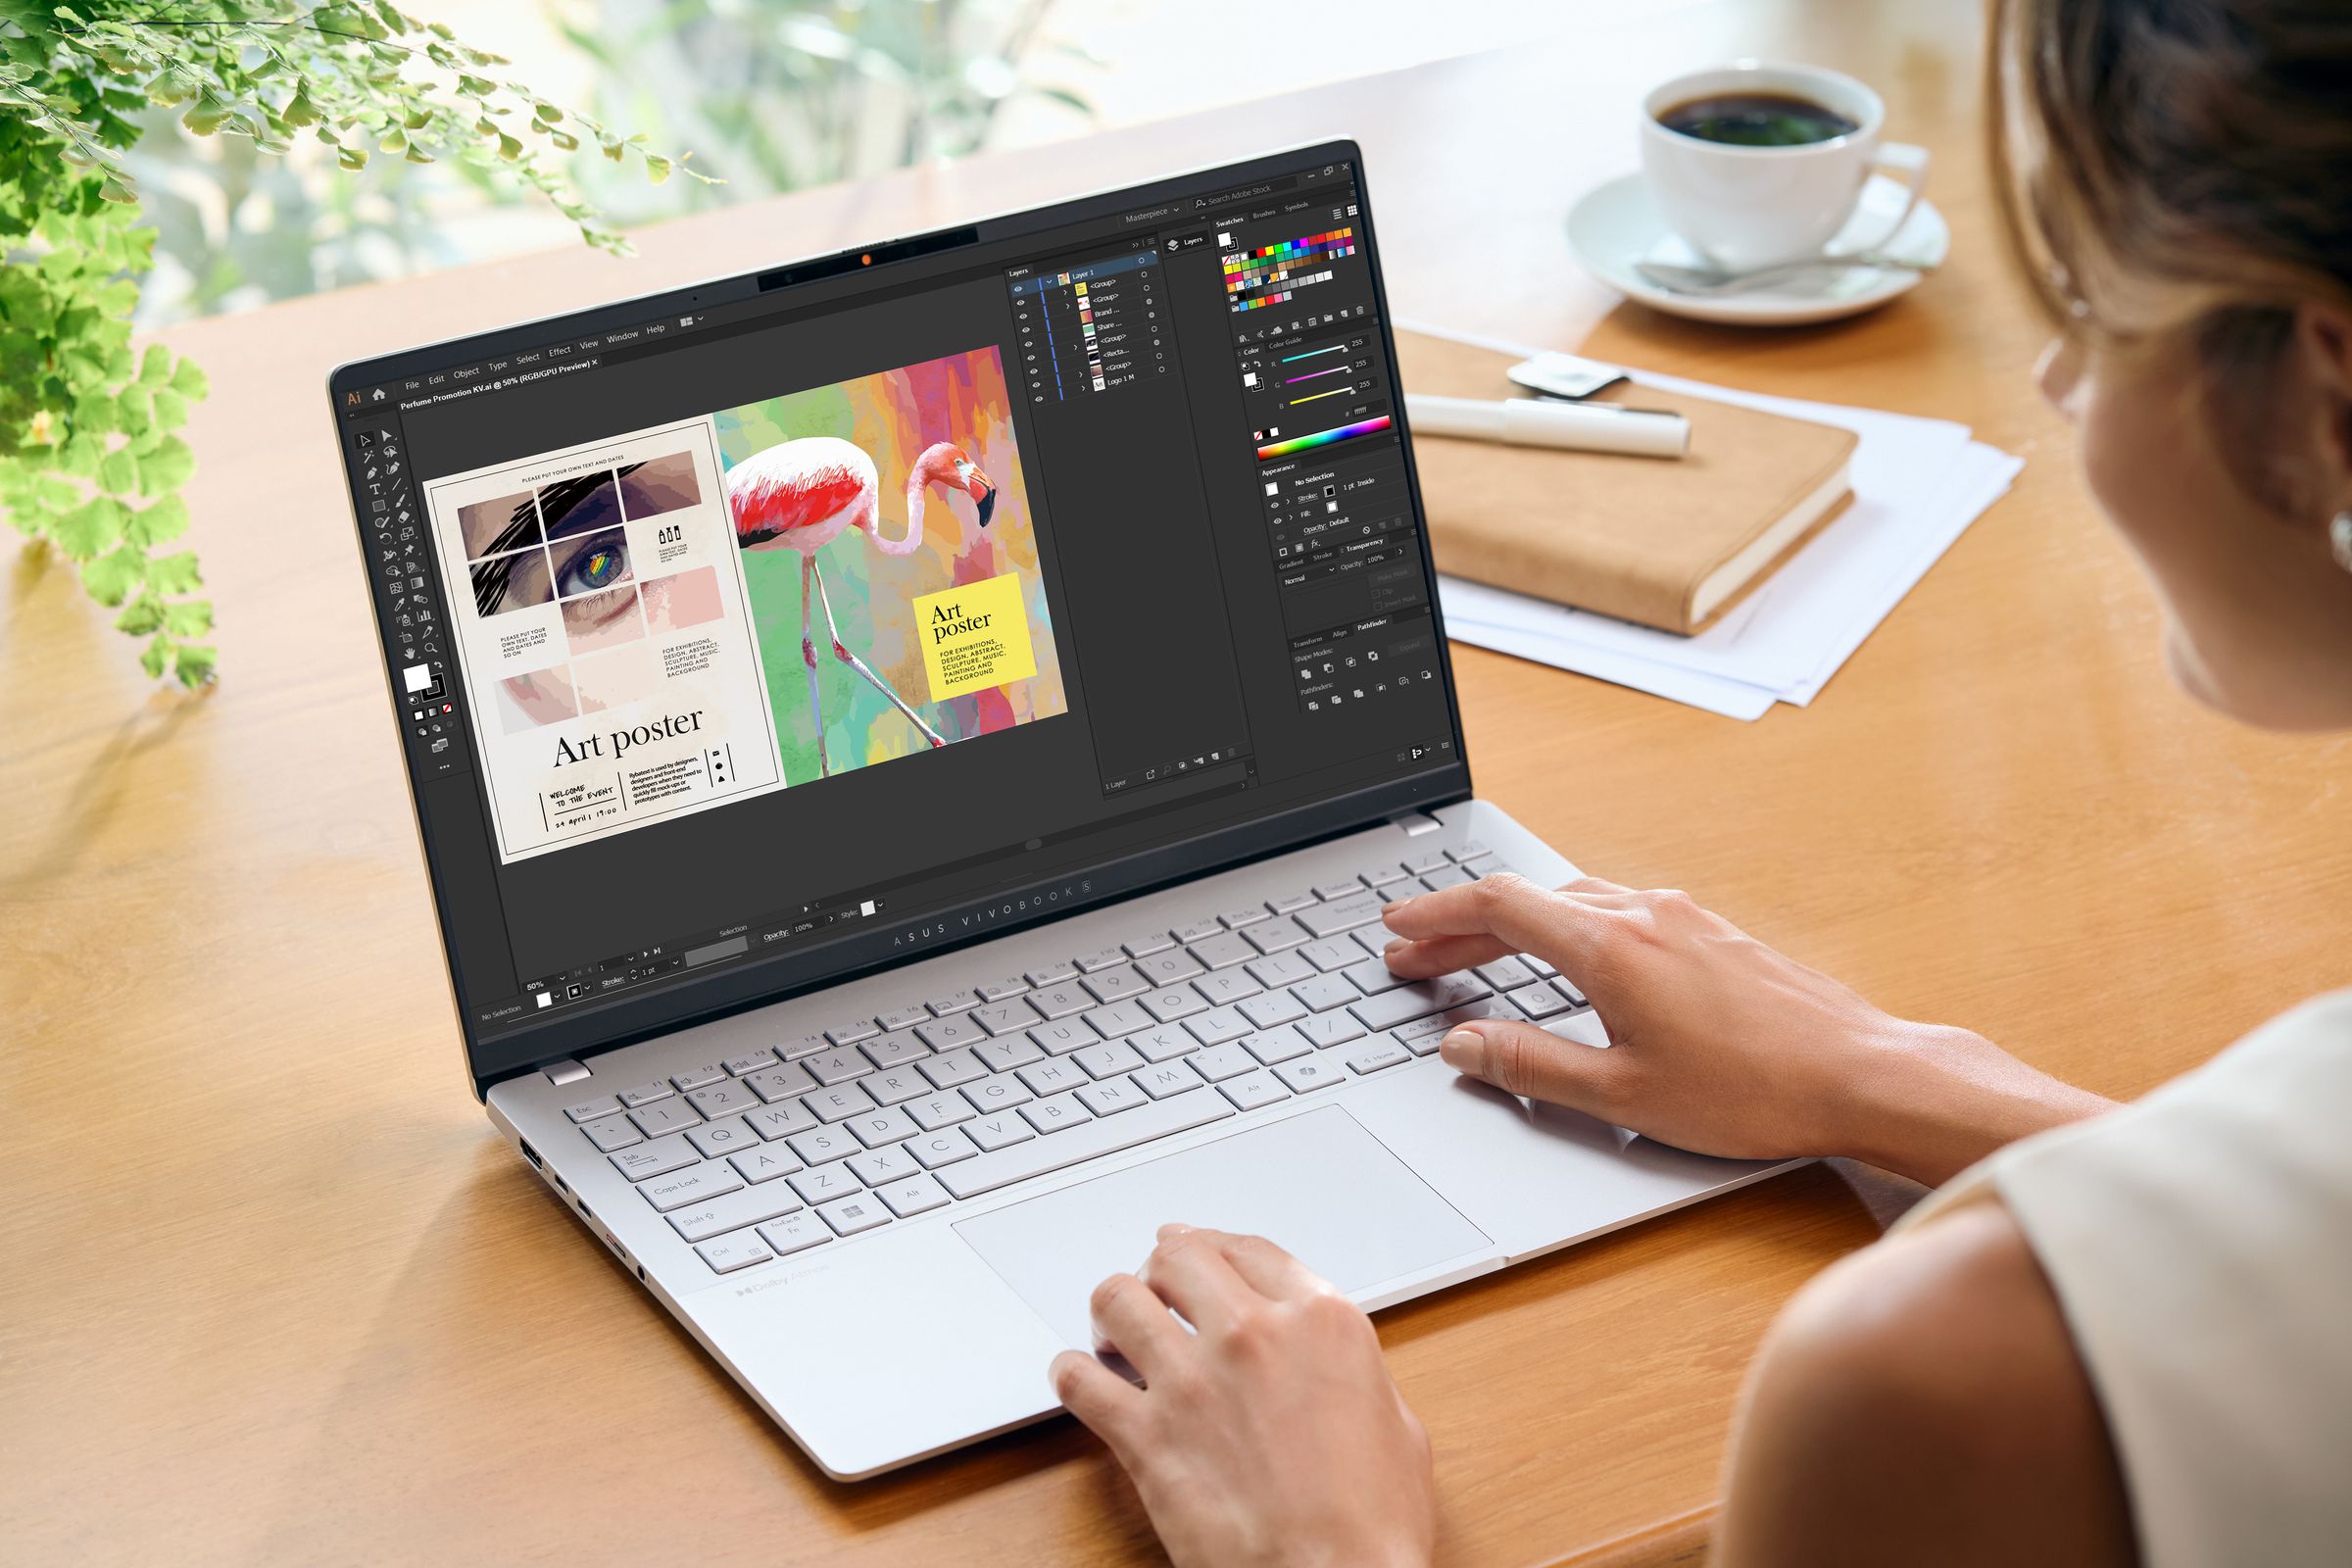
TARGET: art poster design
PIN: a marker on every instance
(891, 561)
(609, 659)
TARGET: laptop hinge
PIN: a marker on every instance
(566, 1072)
(1416, 824)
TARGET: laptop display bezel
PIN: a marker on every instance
(581, 1033)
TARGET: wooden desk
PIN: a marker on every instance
(273, 1292)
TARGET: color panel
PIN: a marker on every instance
(1307, 443)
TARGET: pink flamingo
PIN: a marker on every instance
(800, 495)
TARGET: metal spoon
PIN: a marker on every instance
(1709, 280)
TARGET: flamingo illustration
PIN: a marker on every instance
(800, 495)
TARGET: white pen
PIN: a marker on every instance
(1528, 422)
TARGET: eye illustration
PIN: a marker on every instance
(583, 565)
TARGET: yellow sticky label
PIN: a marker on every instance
(975, 637)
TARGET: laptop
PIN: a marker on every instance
(910, 747)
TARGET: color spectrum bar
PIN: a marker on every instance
(1304, 443)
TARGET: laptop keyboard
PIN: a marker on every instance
(874, 1120)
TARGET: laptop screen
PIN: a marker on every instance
(805, 621)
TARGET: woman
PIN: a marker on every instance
(2117, 1334)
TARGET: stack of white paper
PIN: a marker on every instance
(1918, 484)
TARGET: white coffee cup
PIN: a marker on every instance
(1743, 208)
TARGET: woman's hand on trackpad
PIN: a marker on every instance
(1719, 1043)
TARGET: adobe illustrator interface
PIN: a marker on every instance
(723, 633)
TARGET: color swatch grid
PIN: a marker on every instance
(1270, 273)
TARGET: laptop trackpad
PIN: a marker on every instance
(1319, 1184)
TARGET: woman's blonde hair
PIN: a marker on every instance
(2180, 170)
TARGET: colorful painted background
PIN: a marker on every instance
(894, 416)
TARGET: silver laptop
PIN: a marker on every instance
(910, 747)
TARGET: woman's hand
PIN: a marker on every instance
(1718, 1044)
(1267, 1433)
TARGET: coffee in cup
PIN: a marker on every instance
(1756, 164)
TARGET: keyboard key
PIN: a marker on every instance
(1309, 1073)
(1008, 1017)
(946, 1034)
(1278, 935)
(609, 1133)
(942, 1147)
(897, 1084)
(1052, 974)
(1194, 930)
(1001, 1093)
(951, 1069)
(1062, 1001)
(1330, 919)
(773, 1084)
(839, 1102)
(1273, 1009)
(1373, 976)
(1159, 1120)
(821, 1184)
(1218, 1025)
(1380, 876)
(732, 1253)
(913, 1195)
(1252, 1090)
(1061, 1037)
(718, 1100)
(1326, 991)
(854, 1214)
(657, 1158)
(734, 1212)
(823, 1144)
(794, 1046)
(1423, 864)
(879, 1165)
(1013, 985)
(955, 1001)
(1148, 943)
(1393, 1008)
(838, 1065)
(1331, 952)
(893, 1050)
(1292, 901)
(696, 1077)
(1171, 1078)
(665, 1116)
(905, 1017)
(1002, 1055)
(1167, 1041)
(794, 1235)
(722, 1138)
(1107, 1059)
(781, 1120)
(1166, 968)
(1334, 1028)
(1276, 1044)
(940, 1110)
(1177, 1002)
(993, 1132)
(1377, 1053)
(1505, 974)
(1247, 914)
(850, 1031)
(1279, 970)
(1437, 1024)
(1224, 950)
(1540, 1000)
(750, 1061)
(757, 1166)
(1226, 985)
(590, 1110)
(693, 1185)
(1116, 985)
(1051, 1077)
(1112, 1095)
(1374, 940)
(1452, 876)
(1099, 958)
(646, 1094)
(1055, 1116)
(1119, 1018)
(1219, 1063)
(1469, 849)
(880, 1127)
(1333, 892)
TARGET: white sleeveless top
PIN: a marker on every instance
(2200, 1244)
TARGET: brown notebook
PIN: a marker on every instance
(1664, 542)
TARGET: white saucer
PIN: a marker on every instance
(1614, 225)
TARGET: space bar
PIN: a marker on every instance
(1178, 1113)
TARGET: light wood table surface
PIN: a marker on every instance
(272, 1291)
